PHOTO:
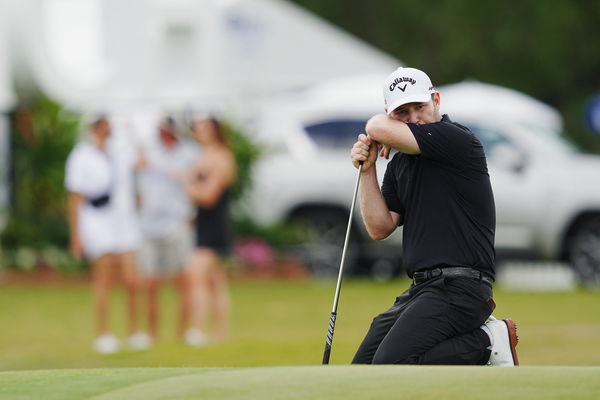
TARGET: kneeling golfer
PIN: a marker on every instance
(437, 186)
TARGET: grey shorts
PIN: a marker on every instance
(165, 257)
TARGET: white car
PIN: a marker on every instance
(546, 192)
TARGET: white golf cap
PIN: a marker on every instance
(406, 85)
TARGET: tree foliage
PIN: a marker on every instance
(246, 154)
(42, 136)
(547, 49)
(36, 230)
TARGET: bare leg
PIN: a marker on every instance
(131, 281)
(183, 288)
(199, 271)
(101, 282)
(221, 302)
(152, 287)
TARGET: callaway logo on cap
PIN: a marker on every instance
(406, 85)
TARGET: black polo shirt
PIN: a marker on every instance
(444, 198)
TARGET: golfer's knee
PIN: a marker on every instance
(395, 358)
(362, 359)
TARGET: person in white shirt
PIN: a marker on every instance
(101, 229)
(166, 218)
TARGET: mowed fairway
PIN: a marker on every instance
(276, 347)
(274, 323)
(331, 383)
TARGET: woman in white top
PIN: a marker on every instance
(95, 231)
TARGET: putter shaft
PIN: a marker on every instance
(332, 318)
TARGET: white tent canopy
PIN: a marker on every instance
(91, 53)
(231, 55)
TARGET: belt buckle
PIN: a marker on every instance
(419, 277)
(424, 276)
(434, 273)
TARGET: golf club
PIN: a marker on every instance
(332, 318)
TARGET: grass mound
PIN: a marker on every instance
(317, 382)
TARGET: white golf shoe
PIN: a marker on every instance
(504, 343)
(139, 341)
(106, 344)
(195, 337)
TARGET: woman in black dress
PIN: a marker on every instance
(208, 187)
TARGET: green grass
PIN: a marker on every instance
(290, 383)
(274, 323)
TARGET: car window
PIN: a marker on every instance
(549, 142)
(499, 150)
(340, 133)
(490, 138)
(544, 142)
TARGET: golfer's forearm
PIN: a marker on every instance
(392, 133)
(374, 210)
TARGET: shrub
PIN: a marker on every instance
(43, 134)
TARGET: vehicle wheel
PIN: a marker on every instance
(326, 231)
(384, 270)
(584, 251)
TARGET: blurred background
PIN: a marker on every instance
(294, 82)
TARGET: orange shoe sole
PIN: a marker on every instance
(514, 339)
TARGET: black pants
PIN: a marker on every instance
(436, 322)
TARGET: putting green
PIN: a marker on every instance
(310, 382)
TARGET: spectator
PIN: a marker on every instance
(103, 227)
(166, 217)
(208, 188)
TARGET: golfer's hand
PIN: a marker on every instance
(365, 151)
(385, 151)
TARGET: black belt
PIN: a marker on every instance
(465, 272)
(99, 201)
